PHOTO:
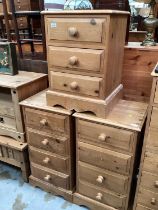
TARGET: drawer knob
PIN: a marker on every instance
(73, 31)
(102, 137)
(73, 60)
(74, 85)
(99, 196)
(45, 142)
(46, 160)
(100, 179)
(47, 178)
(44, 122)
(153, 201)
(156, 184)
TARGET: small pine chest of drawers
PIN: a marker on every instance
(80, 49)
(51, 143)
(106, 156)
(147, 189)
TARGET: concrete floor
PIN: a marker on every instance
(17, 195)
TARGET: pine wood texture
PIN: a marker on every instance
(107, 154)
(51, 143)
(147, 188)
(136, 77)
(86, 41)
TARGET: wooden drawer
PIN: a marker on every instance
(102, 178)
(46, 122)
(101, 195)
(156, 94)
(149, 181)
(152, 139)
(50, 176)
(148, 198)
(22, 5)
(55, 144)
(105, 136)
(104, 158)
(7, 122)
(49, 160)
(76, 59)
(154, 118)
(76, 29)
(22, 22)
(84, 85)
(150, 163)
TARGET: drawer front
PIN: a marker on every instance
(105, 136)
(154, 118)
(7, 122)
(22, 22)
(54, 143)
(149, 181)
(76, 29)
(84, 85)
(148, 199)
(22, 5)
(46, 122)
(152, 139)
(50, 176)
(150, 163)
(76, 59)
(156, 94)
(104, 158)
(102, 178)
(101, 195)
(49, 160)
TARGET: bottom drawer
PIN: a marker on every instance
(53, 177)
(103, 196)
(148, 198)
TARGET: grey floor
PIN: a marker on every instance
(17, 195)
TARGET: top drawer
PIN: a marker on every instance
(75, 29)
(45, 121)
(105, 136)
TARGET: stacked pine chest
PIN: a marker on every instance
(85, 55)
(13, 89)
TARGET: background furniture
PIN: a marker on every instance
(147, 189)
(14, 89)
(50, 136)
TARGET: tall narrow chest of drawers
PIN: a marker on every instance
(13, 89)
(147, 190)
(107, 156)
(85, 56)
(51, 146)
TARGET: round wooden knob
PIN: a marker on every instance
(73, 60)
(156, 184)
(74, 85)
(100, 179)
(99, 196)
(72, 31)
(44, 122)
(46, 160)
(47, 178)
(45, 142)
(153, 201)
(102, 137)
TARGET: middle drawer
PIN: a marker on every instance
(76, 59)
(83, 85)
(104, 158)
(49, 160)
